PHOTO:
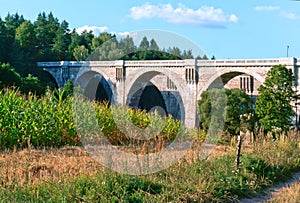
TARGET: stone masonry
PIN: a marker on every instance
(180, 82)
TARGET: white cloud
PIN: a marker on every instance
(267, 8)
(233, 18)
(96, 30)
(123, 34)
(206, 15)
(282, 13)
(290, 15)
(133, 35)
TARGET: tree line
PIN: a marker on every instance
(23, 43)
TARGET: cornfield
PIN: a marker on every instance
(48, 121)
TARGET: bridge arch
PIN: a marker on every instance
(49, 78)
(222, 77)
(95, 86)
(142, 80)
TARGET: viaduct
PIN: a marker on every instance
(171, 86)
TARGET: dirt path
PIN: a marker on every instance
(273, 191)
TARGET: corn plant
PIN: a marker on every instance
(49, 121)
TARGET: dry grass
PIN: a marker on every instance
(289, 194)
(20, 168)
(30, 166)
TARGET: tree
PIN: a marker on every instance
(32, 84)
(211, 110)
(25, 36)
(144, 45)
(61, 42)
(8, 76)
(12, 22)
(187, 54)
(127, 45)
(275, 95)
(96, 42)
(80, 53)
(4, 45)
(238, 111)
(204, 57)
(154, 45)
(175, 51)
(87, 39)
(226, 110)
(104, 37)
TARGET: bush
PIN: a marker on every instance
(8, 76)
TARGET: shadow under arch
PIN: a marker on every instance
(149, 98)
(48, 78)
(221, 78)
(94, 86)
(141, 86)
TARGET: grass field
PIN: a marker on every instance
(290, 194)
(69, 174)
(42, 158)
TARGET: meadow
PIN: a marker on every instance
(42, 159)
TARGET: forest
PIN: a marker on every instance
(23, 43)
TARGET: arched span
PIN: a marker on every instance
(96, 87)
(149, 99)
(222, 77)
(48, 77)
(142, 80)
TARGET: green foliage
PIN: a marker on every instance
(214, 98)
(8, 76)
(4, 39)
(49, 120)
(44, 121)
(25, 36)
(68, 89)
(32, 84)
(62, 41)
(213, 180)
(273, 105)
(153, 45)
(80, 53)
(238, 111)
(144, 45)
(105, 187)
(226, 110)
(23, 43)
(119, 124)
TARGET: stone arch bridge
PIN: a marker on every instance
(171, 85)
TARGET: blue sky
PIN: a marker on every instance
(225, 29)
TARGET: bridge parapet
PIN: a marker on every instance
(76, 64)
(247, 62)
(155, 63)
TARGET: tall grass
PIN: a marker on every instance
(30, 120)
(213, 180)
(289, 194)
(49, 121)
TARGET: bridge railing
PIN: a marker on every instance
(246, 62)
(155, 63)
(80, 64)
(174, 63)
